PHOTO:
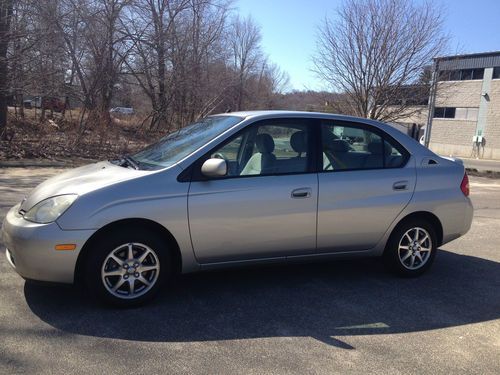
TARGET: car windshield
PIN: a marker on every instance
(177, 145)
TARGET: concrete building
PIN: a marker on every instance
(466, 119)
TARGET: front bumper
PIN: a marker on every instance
(30, 248)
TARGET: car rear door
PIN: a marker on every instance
(266, 207)
(366, 181)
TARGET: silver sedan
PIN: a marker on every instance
(238, 189)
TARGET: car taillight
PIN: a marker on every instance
(464, 186)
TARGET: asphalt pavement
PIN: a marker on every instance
(336, 317)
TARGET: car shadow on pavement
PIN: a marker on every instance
(325, 301)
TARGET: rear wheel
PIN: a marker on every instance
(127, 268)
(411, 248)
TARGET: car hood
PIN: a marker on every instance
(80, 181)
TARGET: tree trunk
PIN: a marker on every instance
(5, 17)
(20, 103)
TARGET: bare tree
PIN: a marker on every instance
(198, 59)
(374, 49)
(265, 86)
(244, 40)
(70, 19)
(278, 79)
(5, 18)
(38, 55)
(150, 29)
(112, 53)
(177, 60)
(95, 49)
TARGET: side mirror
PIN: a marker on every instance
(214, 168)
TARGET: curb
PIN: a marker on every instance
(482, 173)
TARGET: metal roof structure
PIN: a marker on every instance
(471, 61)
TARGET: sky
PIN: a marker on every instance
(289, 29)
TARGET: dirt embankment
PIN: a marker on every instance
(63, 138)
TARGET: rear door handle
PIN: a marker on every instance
(301, 193)
(400, 185)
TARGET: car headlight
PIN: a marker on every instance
(50, 209)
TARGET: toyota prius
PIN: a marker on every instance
(240, 189)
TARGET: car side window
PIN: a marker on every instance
(230, 152)
(267, 149)
(355, 148)
(394, 158)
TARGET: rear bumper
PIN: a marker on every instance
(456, 226)
(30, 248)
(468, 215)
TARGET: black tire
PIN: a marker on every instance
(107, 243)
(405, 268)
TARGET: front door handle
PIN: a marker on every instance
(400, 185)
(301, 193)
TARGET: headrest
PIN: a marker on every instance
(376, 147)
(298, 141)
(339, 145)
(265, 143)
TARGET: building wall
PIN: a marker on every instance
(451, 136)
(492, 131)
(477, 104)
(414, 115)
(455, 137)
(446, 140)
(459, 94)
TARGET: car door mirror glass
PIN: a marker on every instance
(214, 168)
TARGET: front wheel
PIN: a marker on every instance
(127, 269)
(411, 248)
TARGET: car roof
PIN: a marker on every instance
(267, 114)
(282, 113)
(286, 113)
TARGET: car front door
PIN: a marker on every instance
(267, 204)
(366, 181)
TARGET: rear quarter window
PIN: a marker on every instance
(349, 146)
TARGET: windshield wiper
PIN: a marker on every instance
(130, 161)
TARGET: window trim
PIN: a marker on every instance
(315, 165)
(495, 69)
(444, 113)
(385, 137)
(446, 75)
(455, 118)
(474, 74)
(193, 172)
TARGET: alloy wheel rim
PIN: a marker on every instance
(415, 248)
(130, 270)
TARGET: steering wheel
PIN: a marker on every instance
(219, 155)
